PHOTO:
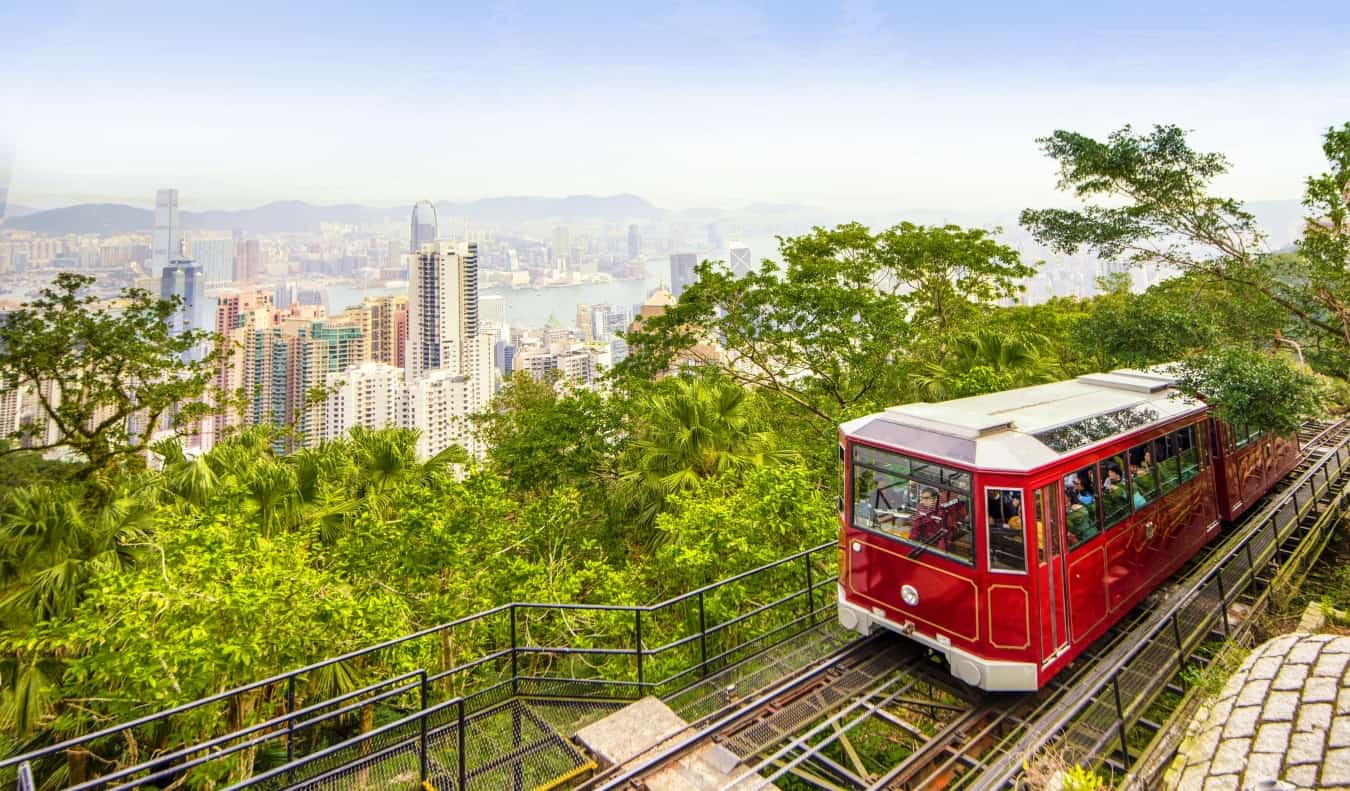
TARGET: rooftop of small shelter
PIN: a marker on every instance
(1027, 428)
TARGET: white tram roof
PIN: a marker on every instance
(1027, 428)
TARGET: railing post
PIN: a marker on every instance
(290, 724)
(26, 777)
(463, 754)
(637, 633)
(810, 590)
(515, 691)
(1223, 601)
(702, 636)
(422, 707)
(1181, 650)
(1120, 712)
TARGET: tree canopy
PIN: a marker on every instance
(108, 378)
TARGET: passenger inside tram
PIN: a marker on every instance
(1115, 491)
(927, 526)
(1007, 545)
(1082, 507)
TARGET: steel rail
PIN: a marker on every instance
(744, 712)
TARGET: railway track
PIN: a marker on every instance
(882, 714)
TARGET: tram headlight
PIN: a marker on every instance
(909, 595)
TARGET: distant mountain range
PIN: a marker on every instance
(300, 217)
(1281, 219)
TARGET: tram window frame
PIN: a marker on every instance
(1007, 533)
(1047, 521)
(1079, 514)
(1143, 490)
(953, 507)
(1119, 505)
(1167, 462)
(1189, 438)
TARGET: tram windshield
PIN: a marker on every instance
(918, 502)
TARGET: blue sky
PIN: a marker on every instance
(847, 105)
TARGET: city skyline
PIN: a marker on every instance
(849, 107)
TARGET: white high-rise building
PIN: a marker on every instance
(442, 308)
(438, 406)
(448, 357)
(165, 246)
(371, 395)
(740, 260)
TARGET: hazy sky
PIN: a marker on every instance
(851, 104)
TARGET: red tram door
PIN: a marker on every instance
(1052, 583)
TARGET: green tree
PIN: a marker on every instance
(1246, 387)
(1325, 247)
(108, 378)
(827, 332)
(1156, 207)
(690, 429)
(54, 544)
(984, 361)
(540, 435)
(738, 520)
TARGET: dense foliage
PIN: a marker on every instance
(107, 378)
(126, 589)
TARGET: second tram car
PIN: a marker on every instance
(1008, 531)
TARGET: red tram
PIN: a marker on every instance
(1009, 531)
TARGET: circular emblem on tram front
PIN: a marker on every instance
(910, 596)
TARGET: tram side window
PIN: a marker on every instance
(1003, 527)
(1243, 435)
(1115, 490)
(1047, 522)
(1080, 493)
(894, 495)
(1143, 474)
(1167, 456)
(1191, 450)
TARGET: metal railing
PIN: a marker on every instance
(1098, 718)
(518, 650)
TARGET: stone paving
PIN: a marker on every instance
(1284, 715)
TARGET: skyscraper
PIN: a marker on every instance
(183, 279)
(247, 261)
(562, 245)
(165, 244)
(741, 262)
(216, 258)
(447, 359)
(634, 243)
(442, 307)
(682, 274)
(424, 225)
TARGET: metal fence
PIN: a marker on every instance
(1112, 700)
(438, 705)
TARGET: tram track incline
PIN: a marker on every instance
(1323, 445)
(766, 720)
